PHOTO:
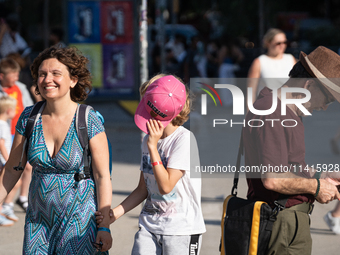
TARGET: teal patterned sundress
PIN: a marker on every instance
(60, 215)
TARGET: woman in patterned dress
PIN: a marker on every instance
(60, 215)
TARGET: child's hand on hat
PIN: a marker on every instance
(156, 130)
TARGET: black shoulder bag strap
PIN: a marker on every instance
(31, 121)
(81, 128)
(238, 165)
(280, 203)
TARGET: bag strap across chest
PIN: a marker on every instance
(82, 132)
(81, 129)
(31, 121)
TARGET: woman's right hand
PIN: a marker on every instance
(100, 217)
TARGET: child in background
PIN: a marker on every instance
(7, 112)
(171, 221)
(9, 75)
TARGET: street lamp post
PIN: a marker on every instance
(261, 22)
(46, 22)
(160, 24)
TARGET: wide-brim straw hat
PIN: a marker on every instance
(324, 64)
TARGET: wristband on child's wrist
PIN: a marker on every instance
(104, 229)
(156, 163)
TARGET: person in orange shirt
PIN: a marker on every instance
(14, 92)
(9, 76)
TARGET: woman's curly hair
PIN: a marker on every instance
(76, 64)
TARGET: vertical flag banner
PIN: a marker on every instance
(93, 52)
(116, 22)
(118, 70)
(83, 22)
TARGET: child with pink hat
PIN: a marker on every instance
(171, 221)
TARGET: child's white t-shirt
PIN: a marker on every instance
(5, 133)
(179, 212)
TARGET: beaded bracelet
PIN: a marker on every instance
(104, 229)
(318, 188)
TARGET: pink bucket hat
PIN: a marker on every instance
(163, 100)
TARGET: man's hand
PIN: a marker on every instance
(328, 192)
(333, 181)
(332, 177)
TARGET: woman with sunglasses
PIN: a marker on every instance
(271, 69)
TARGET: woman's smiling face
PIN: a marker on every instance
(54, 79)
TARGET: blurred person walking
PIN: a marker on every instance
(192, 60)
(7, 112)
(56, 37)
(274, 64)
(229, 56)
(13, 45)
(10, 39)
(10, 86)
(332, 218)
(212, 64)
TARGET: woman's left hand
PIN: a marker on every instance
(106, 239)
(156, 129)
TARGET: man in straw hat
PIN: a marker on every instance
(278, 148)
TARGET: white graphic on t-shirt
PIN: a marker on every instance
(156, 203)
